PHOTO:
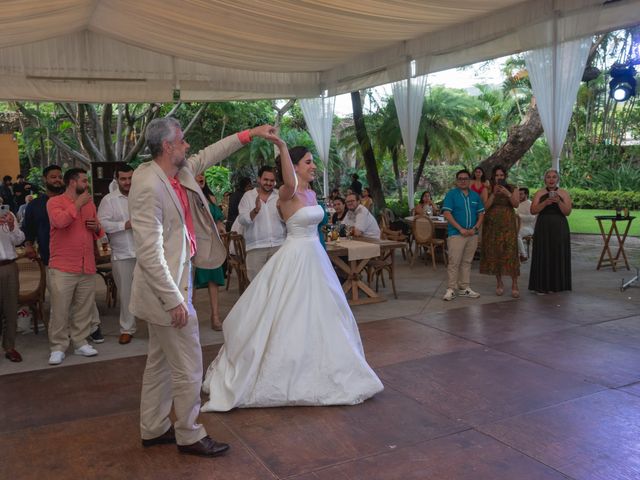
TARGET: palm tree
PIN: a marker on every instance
(447, 126)
(388, 139)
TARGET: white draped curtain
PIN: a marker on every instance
(318, 113)
(556, 69)
(408, 96)
(555, 73)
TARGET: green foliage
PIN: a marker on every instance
(218, 179)
(611, 200)
(624, 177)
(400, 209)
(34, 177)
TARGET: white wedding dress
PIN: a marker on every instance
(291, 338)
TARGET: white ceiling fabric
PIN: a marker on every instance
(318, 114)
(141, 50)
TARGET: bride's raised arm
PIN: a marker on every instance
(288, 188)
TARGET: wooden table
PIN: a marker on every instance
(354, 268)
(611, 260)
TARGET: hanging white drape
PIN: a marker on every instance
(555, 73)
(408, 96)
(556, 70)
(318, 113)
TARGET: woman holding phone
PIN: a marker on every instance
(551, 258)
(499, 248)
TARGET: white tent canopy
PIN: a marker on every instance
(144, 50)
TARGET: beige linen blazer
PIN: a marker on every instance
(161, 275)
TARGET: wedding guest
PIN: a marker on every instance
(212, 278)
(464, 211)
(499, 252)
(551, 257)
(366, 200)
(426, 205)
(264, 231)
(113, 215)
(360, 219)
(527, 222)
(10, 237)
(242, 187)
(340, 210)
(356, 185)
(479, 183)
(72, 266)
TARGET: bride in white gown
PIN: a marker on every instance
(291, 338)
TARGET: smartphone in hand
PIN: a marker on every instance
(4, 210)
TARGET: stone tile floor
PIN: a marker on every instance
(541, 387)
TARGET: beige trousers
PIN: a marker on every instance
(257, 258)
(122, 271)
(72, 308)
(461, 251)
(173, 376)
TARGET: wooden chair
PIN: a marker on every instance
(236, 260)
(397, 235)
(32, 279)
(106, 272)
(423, 230)
(377, 266)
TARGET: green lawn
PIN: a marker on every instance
(583, 221)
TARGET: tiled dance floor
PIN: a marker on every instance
(534, 389)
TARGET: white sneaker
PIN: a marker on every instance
(86, 351)
(56, 358)
(468, 293)
(449, 295)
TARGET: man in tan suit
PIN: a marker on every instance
(172, 227)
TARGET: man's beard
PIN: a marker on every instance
(57, 189)
(80, 190)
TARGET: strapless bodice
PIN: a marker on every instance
(304, 223)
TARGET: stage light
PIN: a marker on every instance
(623, 83)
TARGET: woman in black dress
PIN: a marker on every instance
(551, 259)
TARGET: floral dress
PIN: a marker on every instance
(499, 249)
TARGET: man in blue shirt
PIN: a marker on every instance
(464, 211)
(36, 220)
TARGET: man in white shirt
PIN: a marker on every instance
(113, 215)
(264, 230)
(10, 236)
(527, 222)
(360, 218)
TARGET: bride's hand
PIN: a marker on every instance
(268, 132)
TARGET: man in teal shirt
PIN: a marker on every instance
(464, 211)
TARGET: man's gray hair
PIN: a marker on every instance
(158, 131)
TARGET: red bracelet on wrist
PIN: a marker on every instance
(244, 136)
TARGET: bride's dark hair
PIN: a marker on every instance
(296, 153)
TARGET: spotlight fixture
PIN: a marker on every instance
(623, 83)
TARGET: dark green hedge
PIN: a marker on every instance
(604, 200)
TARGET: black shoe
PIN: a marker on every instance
(167, 437)
(96, 337)
(205, 447)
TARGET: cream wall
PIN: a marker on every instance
(9, 162)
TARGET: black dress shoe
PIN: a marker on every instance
(205, 447)
(167, 437)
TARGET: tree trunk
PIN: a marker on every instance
(519, 141)
(395, 153)
(373, 179)
(423, 160)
